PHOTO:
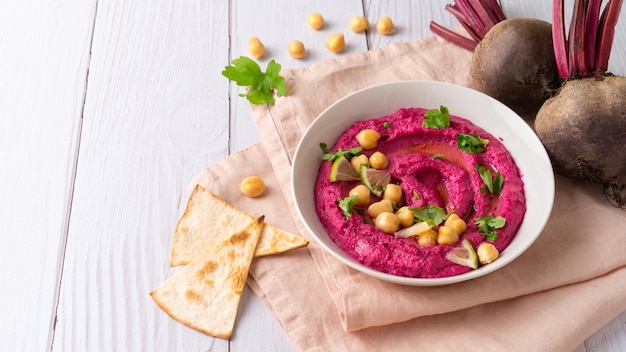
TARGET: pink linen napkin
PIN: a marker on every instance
(565, 287)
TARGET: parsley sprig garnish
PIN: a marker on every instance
(329, 155)
(430, 212)
(437, 118)
(471, 143)
(488, 225)
(246, 72)
(493, 183)
(346, 205)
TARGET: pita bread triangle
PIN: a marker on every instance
(205, 294)
(208, 219)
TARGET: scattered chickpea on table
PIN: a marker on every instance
(359, 24)
(296, 49)
(385, 26)
(256, 48)
(336, 43)
(252, 186)
(315, 20)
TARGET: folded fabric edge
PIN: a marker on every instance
(565, 333)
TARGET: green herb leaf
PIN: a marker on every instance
(494, 184)
(346, 204)
(487, 225)
(438, 156)
(416, 195)
(430, 212)
(471, 143)
(437, 118)
(498, 182)
(329, 155)
(246, 72)
(386, 124)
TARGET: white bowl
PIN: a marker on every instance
(484, 111)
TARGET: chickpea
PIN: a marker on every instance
(379, 207)
(368, 139)
(406, 216)
(447, 235)
(452, 217)
(487, 253)
(252, 186)
(362, 193)
(387, 222)
(296, 49)
(378, 161)
(336, 43)
(385, 26)
(427, 238)
(359, 24)
(456, 223)
(393, 193)
(315, 20)
(356, 162)
(256, 48)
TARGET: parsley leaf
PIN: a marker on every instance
(346, 204)
(262, 85)
(487, 225)
(329, 155)
(494, 184)
(386, 124)
(430, 212)
(437, 118)
(438, 156)
(471, 143)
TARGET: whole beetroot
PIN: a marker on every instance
(583, 127)
(514, 63)
(513, 59)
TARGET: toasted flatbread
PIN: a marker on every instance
(274, 240)
(205, 294)
(208, 219)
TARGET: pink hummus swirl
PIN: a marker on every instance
(431, 170)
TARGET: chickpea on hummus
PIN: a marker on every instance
(403, 193)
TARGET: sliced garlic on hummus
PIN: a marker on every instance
(415, 229)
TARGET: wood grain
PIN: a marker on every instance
(107, 111)
(44, 54)
(156, 112)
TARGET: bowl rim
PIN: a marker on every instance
(411, 281)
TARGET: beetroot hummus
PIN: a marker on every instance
(431, 170)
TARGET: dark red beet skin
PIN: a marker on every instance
(514, 63)
(584, 131)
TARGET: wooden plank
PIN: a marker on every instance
(411, 19)
(156, 113)
(45, 55)
(277, 23)
(257, 329)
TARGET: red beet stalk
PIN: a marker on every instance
(587, 48)
(476, 16)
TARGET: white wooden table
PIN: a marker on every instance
(108, 108)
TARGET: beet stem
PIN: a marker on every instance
(454, 10)
(486, 18)
(606, 34)
(558, 39)
(576, 41)
(453, 37)
(591, 25)
(473, 20)
(496, 8)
